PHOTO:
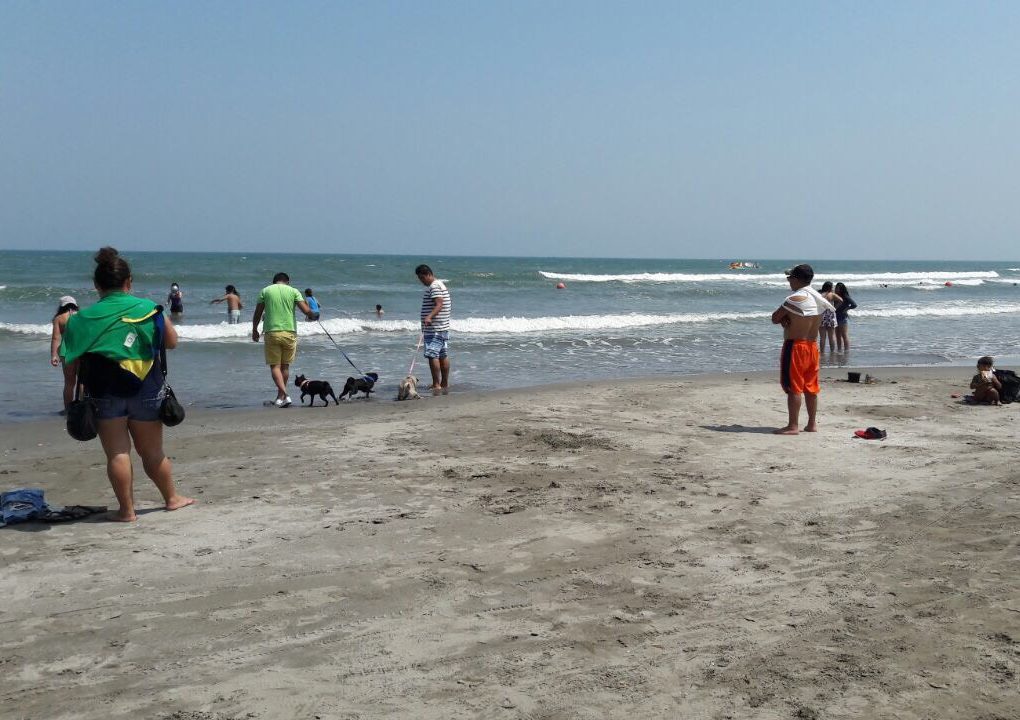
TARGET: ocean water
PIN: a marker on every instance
(511, 327)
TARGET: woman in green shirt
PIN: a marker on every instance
(116, 344)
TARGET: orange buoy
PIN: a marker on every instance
(561, 286)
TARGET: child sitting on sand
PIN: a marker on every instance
(985, 385)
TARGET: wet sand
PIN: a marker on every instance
(641, 549)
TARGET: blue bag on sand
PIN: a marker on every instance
(22, 505)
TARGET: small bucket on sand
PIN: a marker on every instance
(853, 377)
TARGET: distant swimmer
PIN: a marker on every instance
(234, 305)
(379, 312)
(312, 303)
(175, 299)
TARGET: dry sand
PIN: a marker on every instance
(643, 549)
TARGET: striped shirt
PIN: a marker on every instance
(436, 291)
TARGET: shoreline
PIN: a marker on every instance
(826, 372)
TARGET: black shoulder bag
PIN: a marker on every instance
(171, 412)
(82, 416)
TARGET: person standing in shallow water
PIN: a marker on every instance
(827, 331)
(800, 315)
(435, 327)
(68, 307)
(313, 304)
(234, 305)
(175, 301)
(116, 345)
(843, 308)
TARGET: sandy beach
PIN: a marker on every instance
(639, 549)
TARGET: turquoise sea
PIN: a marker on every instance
(511, 326)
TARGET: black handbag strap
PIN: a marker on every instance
(161, 339)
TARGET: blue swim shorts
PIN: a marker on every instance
(437, 344)
(142, 406)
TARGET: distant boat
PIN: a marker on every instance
(744, 266)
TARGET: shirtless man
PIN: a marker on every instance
(234, 305)
(800, 315)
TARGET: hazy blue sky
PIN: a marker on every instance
(734, 130)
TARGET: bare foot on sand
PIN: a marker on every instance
(120, 516)
(179, 501)
(811, 427)
(788, 430)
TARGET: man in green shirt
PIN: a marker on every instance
(277, 303)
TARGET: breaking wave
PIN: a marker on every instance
(971, 277)
(345, 327)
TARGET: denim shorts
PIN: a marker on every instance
(144, 406)
(437, 344)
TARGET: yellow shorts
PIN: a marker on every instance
(281, 347)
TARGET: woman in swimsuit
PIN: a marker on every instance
(845, 305)
(827, 330)
(175, 299)
(68, 307)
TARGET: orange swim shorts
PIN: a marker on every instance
(798, 367)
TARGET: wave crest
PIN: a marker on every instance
(345, 327)
(861, 279)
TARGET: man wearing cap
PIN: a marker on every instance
(68, 306)
(800, 315)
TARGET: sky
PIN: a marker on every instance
(744, 130)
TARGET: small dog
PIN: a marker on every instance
(313, 388)
(363, 384)
(408, 389)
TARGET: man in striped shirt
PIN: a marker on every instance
(435, 327)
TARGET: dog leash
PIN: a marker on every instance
(414, 358)
(340, 348)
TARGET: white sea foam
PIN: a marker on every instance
(511, 325)
(26, 328)
(860, 279)
(225, 332)
(655, 277)
(335, 327)
(941, 310)
(537, 325)
(346, 327)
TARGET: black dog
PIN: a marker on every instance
(362, 384)
(313, 388)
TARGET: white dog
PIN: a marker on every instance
(408, 389)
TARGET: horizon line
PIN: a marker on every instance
(506, 257)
